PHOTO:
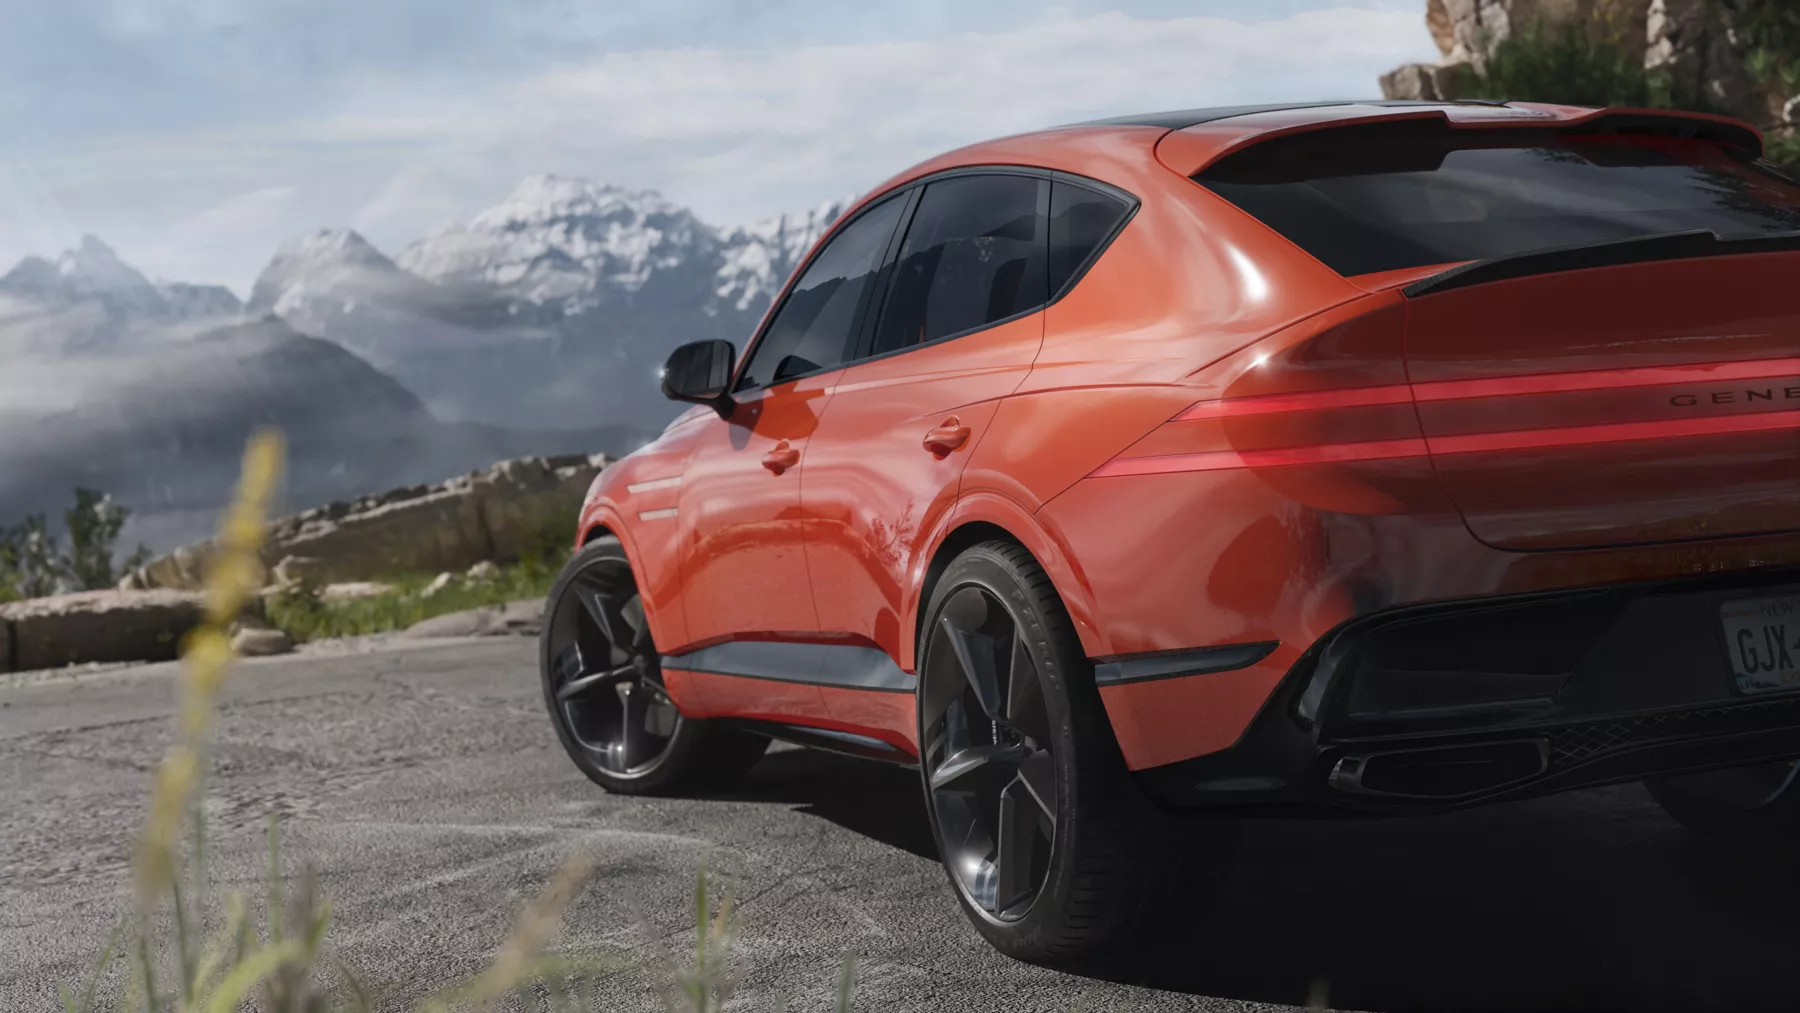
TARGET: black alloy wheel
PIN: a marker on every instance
(1050, 844)
(988, 757)
(603, 685)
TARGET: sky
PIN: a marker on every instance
(196, 135)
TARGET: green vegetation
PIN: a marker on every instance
(34, 564)
(1769, 31)
(304, 614)
(1602, 64)
(1563, 65)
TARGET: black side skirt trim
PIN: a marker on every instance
(840, 665)
(847, 743)
(1145, 668)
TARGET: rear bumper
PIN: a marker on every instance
(1443, 706)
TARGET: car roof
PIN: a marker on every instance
(1188, 140)
(1181, 119)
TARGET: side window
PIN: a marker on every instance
(1080, 221)
(974, 254)
(815, 327)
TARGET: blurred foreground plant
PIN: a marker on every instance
(280, 968)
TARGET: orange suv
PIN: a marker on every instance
(1134, 476)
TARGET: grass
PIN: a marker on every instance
(304, 615)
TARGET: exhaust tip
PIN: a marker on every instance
(1440, 773)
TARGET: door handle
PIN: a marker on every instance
(781, 458)
(947, 437)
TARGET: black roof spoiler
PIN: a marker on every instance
(1611, 253)
(1181, 119)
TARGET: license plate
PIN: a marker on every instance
(1762, 639)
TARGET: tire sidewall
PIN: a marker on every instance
(981, 567)
(608, 549)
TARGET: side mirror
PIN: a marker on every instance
(700, 372)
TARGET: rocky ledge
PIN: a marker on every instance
(505, 513)
(96, 627)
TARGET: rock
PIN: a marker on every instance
(518, 618)
(1443, 30)
(438, 583)
(253, 639)
(1415, 82)
(1693, 42)
(98, 626)
(514, 509)
(353, 589)
(294, 570)
(483, 571)
(185, 568)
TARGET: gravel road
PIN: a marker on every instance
(425, 783)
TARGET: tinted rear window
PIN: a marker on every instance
(1399, 195)
(1081, 220)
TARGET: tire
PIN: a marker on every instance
(602, 680)
(1105, 864)
(1740, 803)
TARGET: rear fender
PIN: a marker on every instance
(1044, 544)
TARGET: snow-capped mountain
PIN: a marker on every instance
(758, 258)
(333, 262)
(576, 244)
(88, 302)
(566, 242)
(538, 326)
(93, 273)
(554, 306)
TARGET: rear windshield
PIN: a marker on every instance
(1382, 197)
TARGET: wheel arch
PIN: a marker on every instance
(598, 520)
(988, 517)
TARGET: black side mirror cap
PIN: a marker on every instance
(700, 372)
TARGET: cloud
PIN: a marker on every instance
(204, 246)
(739, 133)
(735, 129)
(758, 131)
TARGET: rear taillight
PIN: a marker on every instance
(1322, 410)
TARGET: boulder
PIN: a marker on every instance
(1421, 82)
(98, 626)
(293, 570)
(354, 589)
(518, 618)
(483, 571)
(254, 639)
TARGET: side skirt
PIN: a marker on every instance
(846, 743)
(841, 665)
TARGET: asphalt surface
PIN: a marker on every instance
(425, 784)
